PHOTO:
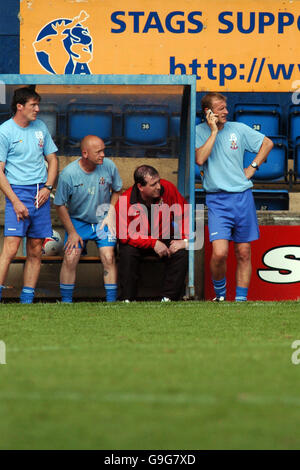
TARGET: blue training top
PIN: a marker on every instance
(224, 169)
(23, 150)
(83, 193)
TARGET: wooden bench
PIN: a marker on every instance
(83, 259)
(57, 259)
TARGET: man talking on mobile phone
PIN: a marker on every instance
(220, 147)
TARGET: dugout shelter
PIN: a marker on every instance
(142, 119)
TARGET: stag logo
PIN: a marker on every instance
(64, 46)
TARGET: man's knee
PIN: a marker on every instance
(71, 259)
(243, 254)
(219, 256)
(108, 259)
(34, 247)
(10, 248)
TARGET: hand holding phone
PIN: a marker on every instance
(211, 117)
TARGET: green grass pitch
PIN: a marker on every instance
(145, 375)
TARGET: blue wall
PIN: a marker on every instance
(9, 36)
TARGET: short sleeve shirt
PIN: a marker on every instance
(23, 149)
(224, 169)
(87, 195)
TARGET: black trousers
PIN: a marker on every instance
(129, 268)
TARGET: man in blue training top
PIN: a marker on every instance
(220, 147)
(25, 144)
(86, 194)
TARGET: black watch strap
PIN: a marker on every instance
(48, 186)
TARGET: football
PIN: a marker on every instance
(52, 246)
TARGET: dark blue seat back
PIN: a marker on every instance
(5, 113)
(271, 200)
(294, 123)
(198, 177)
(264, 118)
(145, 125)
(297, 158)
(175, 125)
(89, 119)
(275, 167)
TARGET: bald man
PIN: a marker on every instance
(87, 191)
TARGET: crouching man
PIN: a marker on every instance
(148, 215)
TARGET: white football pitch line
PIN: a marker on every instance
(167, 399)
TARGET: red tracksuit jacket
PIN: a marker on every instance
(136, 227)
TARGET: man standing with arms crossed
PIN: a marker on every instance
(25, 144)
(87, 191)
(220, 147)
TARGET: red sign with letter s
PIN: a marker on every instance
(275, 265)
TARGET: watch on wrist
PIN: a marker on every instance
(254, 165)
(48, 186)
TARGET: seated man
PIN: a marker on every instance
(150, 220)
(86, 194)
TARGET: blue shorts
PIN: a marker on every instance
(92, 232)
(232, 216)
(37, 225)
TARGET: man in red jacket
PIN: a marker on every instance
(152, 219)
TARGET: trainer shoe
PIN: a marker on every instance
(165, 299)
(219, 299)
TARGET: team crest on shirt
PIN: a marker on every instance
(102, 180)
(233, 142)
(40, 137)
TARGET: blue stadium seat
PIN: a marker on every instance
(49, 114)
(86, 118)
(175, 125)
(199, 196)
(146, 131)
(265, 118)
(174, 131)
(5, 113)
(271, 199)
(297, 159)
(198, 177)
(276, 166)
(265, 199)
(294, 123)
(199, 119)
(145, 125)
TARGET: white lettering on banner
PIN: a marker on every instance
(176, 216)
(283, 263)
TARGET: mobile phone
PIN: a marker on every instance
(209, 111)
